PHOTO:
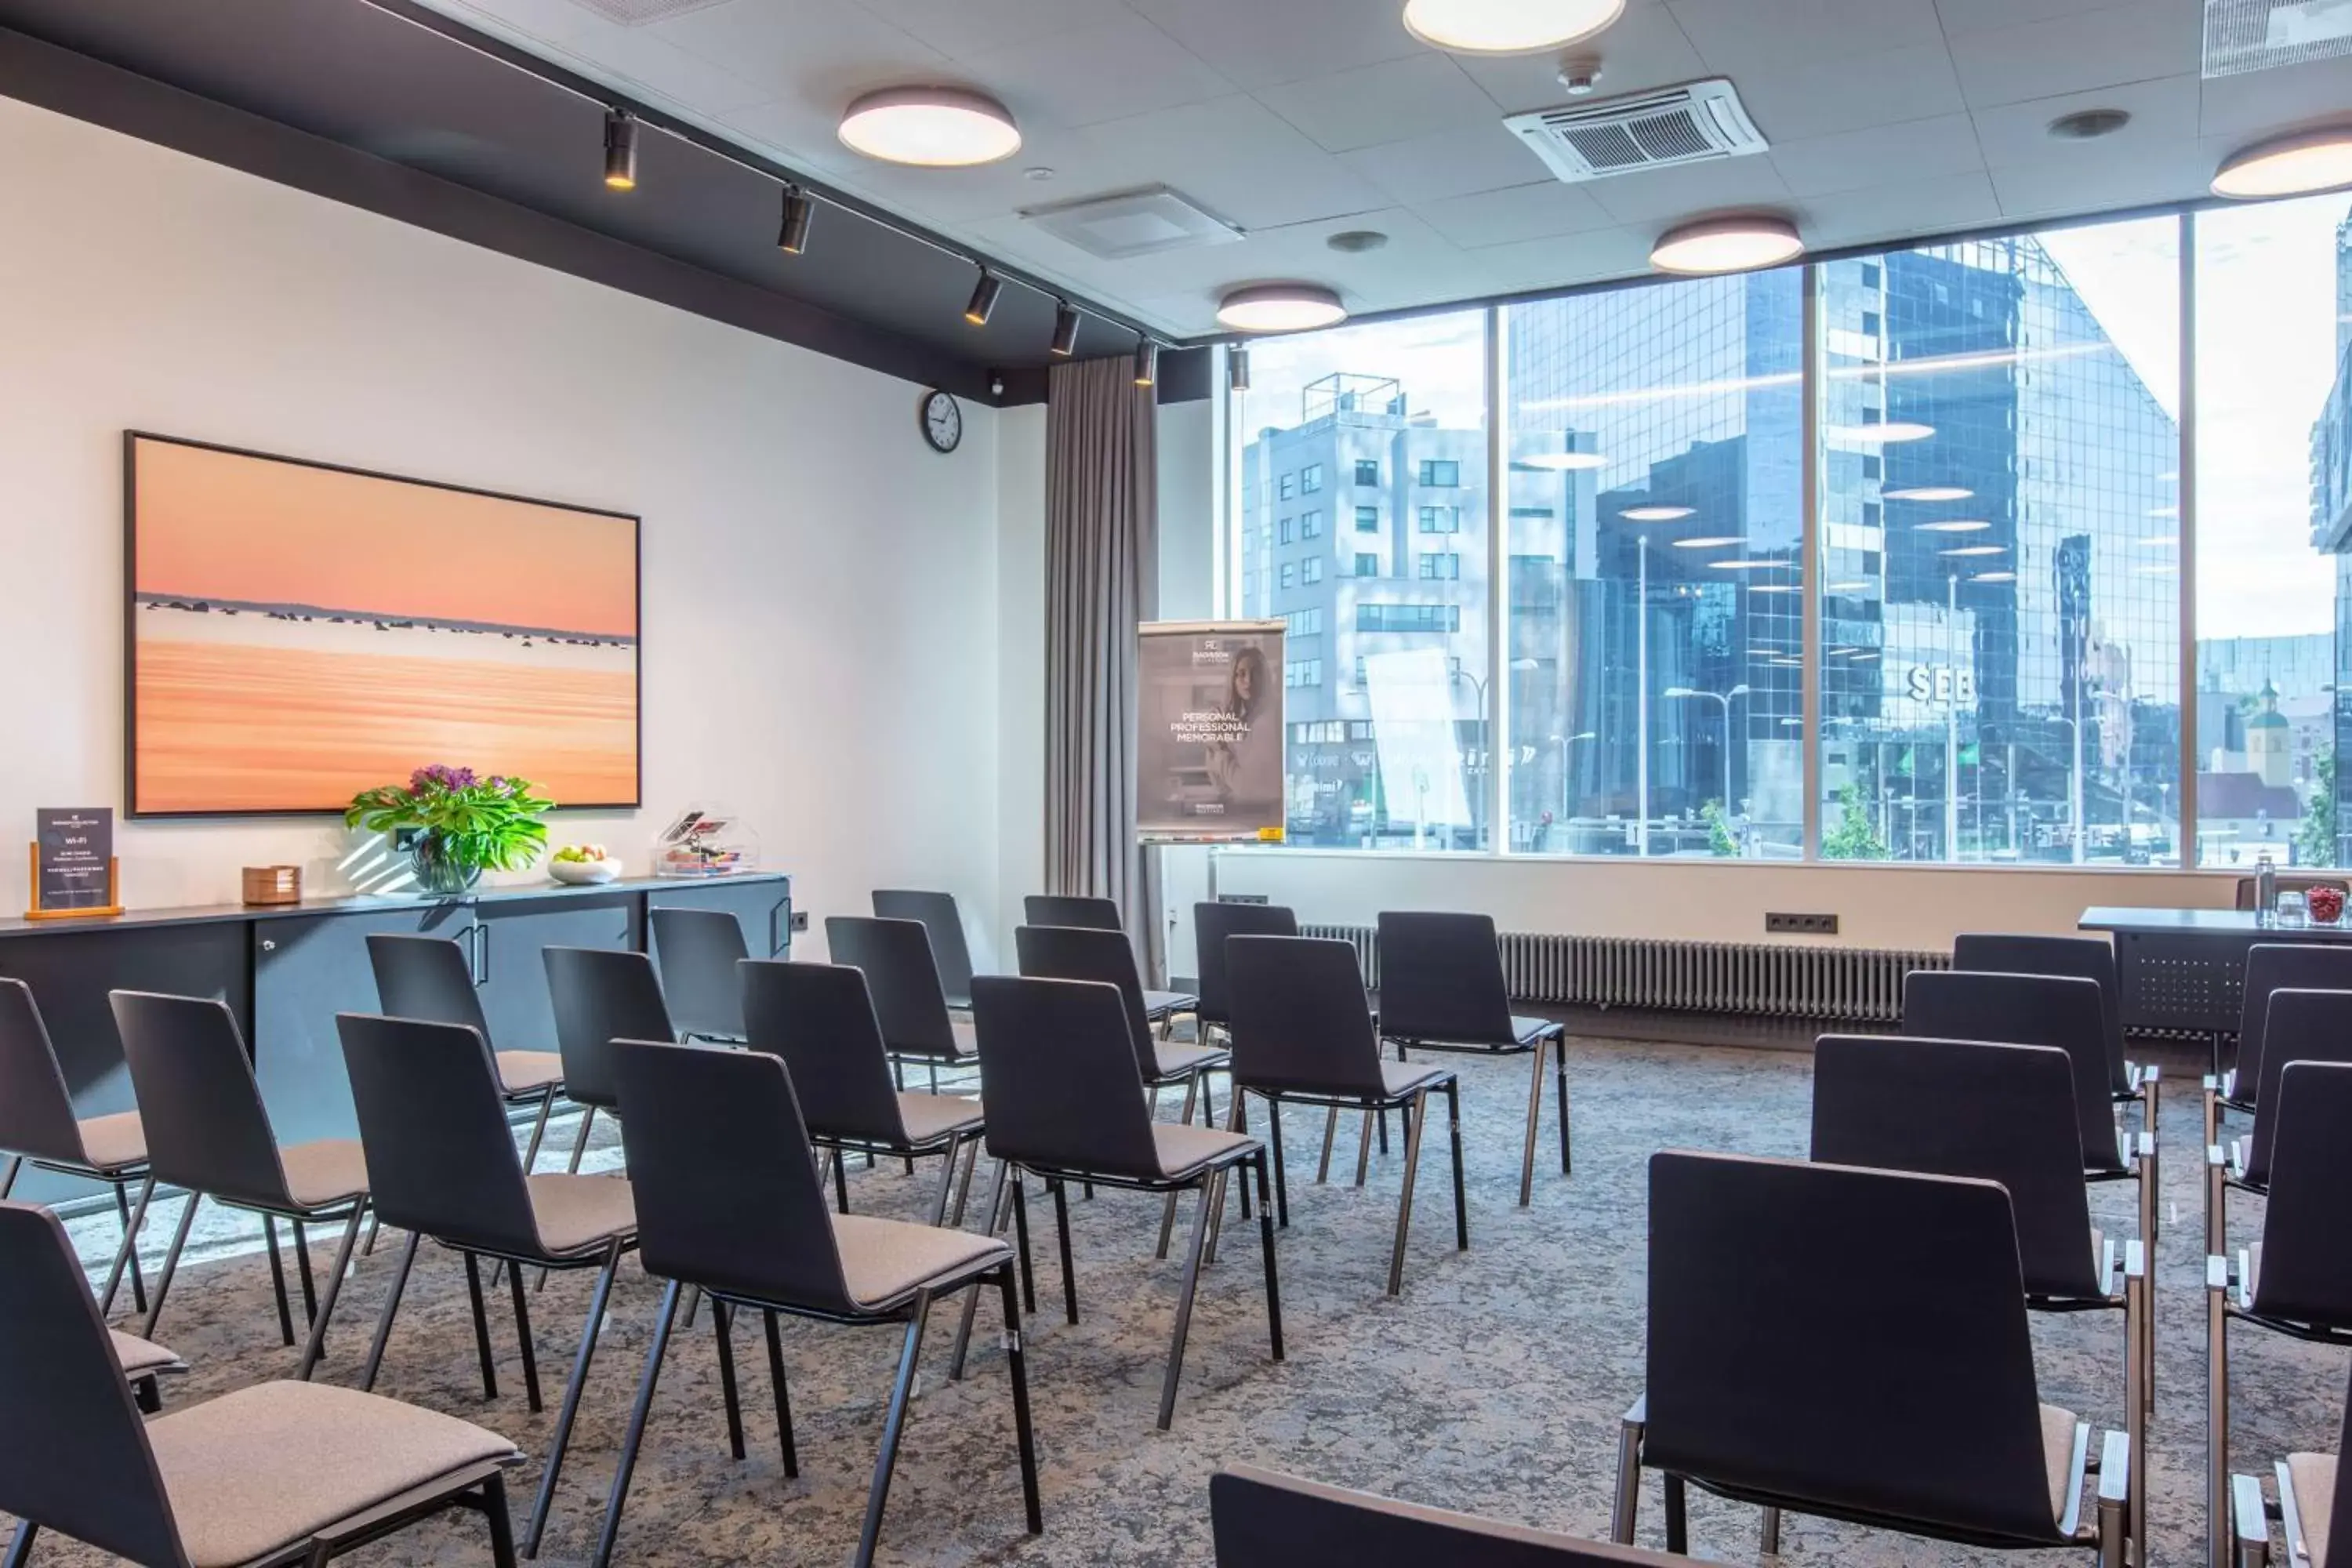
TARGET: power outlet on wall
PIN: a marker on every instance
(800, 920)
(1782, 923)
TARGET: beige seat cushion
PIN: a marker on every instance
(327, 1172)
(272, 1464)
(143, 1358)
(1185, 1148)
(576, 1214)
(883, 1259)
(520, 1072)
(929, 1116)
(1176, 1058)
(2313, 1476)
(112, 1143)
(2058, 1456)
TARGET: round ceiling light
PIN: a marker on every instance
(1738, 243)
(930, 127)
(2288, 165)
(1654, 514)
(1561, 462)
(1280, 308)
(1507, 26)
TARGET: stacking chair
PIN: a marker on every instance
(276, 1474)
(1262, 1520)
(697, 950)
(2314, 1491)
(442, 1165)
(209, 1134)
(1085, 913)
(428, 977)
(819, 1019)
(1066, 1103)
(730, 1200)
(2300, 1026)
(897, 957)
(1442, 989)
(144, 1363)
(937, 915)
(2270, 966)
(1852, 1344)
(2005, 1114)
(37, 1123)
(1213, 924)
(601, 995)
(1302, 1033)
(2091, 958)
(1090, 953)
(2297, 1280)
(2060, 1011)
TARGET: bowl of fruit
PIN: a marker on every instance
(579, 864)
(2326, 903)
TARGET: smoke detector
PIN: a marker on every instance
(1694, 123)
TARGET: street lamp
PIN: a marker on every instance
(1725, 698)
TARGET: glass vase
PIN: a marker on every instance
(436, 869)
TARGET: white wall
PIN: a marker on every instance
(1021, 689)
(821, 609)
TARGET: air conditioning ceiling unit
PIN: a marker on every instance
(2262, 34)
(1693, 124)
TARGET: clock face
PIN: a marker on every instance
(942, 421)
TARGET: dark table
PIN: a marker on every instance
(2183, 970)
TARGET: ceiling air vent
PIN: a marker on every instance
(1132, 223)
(2255, 34)
(1686, 124)
(643, 13)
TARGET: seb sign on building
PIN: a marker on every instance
(1940, 686)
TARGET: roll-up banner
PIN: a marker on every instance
(1209, 763)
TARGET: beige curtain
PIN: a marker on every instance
(1102, 576)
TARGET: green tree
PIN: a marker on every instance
(2315, 842)
(1719, 839)
(1856, 836)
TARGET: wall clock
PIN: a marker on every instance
(942, 421)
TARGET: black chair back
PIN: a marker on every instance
(2091, 958)
(2281, 966)
(206, 1128)
(36, 1111)
(1103, 957)
(697, 950)
(724, 1179)
(1442, 979)
(901, 969)
(2306, 1272)
(819, 1019)
(937, 915)
(1213, 925)
(602, 995)
(1963, 1108)
(1851, 1341)
(1084, 911)
(440, 1157)
(1300, 1019)
(1262, 1520)
(2026, 1010)
(1058, 1077)
(74, 1456)
(2301, 1027)
(424, 977)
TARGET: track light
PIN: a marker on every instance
(1066, 329)
(792, 238)
(983, 299)
(1237, 368)
(1147, 362)
(620, 150)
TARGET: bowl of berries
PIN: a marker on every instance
(2326, 903)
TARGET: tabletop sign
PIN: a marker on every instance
(73, 862)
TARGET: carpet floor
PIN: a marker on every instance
(1493, 1383)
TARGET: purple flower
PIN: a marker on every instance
(441, 775)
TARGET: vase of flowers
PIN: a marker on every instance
(455, 826)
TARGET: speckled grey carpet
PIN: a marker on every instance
(1493, 1384)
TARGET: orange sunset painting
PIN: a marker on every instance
(299, 634)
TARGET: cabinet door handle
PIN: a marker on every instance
(482, 950)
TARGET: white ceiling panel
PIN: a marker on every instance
(2101, 182)
(1116, 67)
(1564, 260)
(1420, 95)
(1885, 154)
(1898, 211)
(619, 56)
(1484, 157)
(1736, 36)
(821, 51)
(1257, 43)
(962, 28)
(2161, 111)
(1521, 213)
(2266, 102)
(2076, 53)
(1822, 98)
(1664, 197)
(1645, 49)
(1239, 159)
(1991, 15)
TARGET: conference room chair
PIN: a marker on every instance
(442, 1167)
(428, 977)
(1090, 953)
(898, 959)
(1442, 989)
(38, 1124)
(2059, 1011)
(2091, 958)
(819, 1019)
(697, 950)
(2296, 1280)
(943, 923)
(2004, 1114)
(2271, 966)
(730, 1201)
(1083, 912)
(1852, 1344)
(2300, 1026)
(1065, 1104)
(144, 1365)
(275, 1474)
(1213, 924)
(2314, 1491)
(1264, 1519)
(209, 1134)
(601, 995)
(1302, 1033)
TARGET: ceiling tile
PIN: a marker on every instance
(2163, 110)
(1119, 66)
(2074, 54)
(818, 54)
(1690, 190)
(1825, 96)
(1898, 211)
(1595, 256)
(1522, 213)
(1645, 49)
(2104, 180)
(621, 57)
(960, 28)
(1885, 154)
(2260, 103)
(1990, 16)
(1451, 163)
(1256, 43)
(1386, 102)
(1237, 158)
(1744, 37)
